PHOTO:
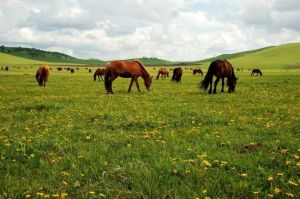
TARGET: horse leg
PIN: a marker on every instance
(216, 83)
(137, 84)
(210, 86)
(222, 85)
(129, 89)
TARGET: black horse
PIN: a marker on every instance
(177, 73)
(257, 71)
(221, 69)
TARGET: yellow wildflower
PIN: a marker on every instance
(277, 190)
(292, 183)
(270, 178)
(256, 193)
(290, 195)
(244, 174)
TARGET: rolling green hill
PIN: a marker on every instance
(153, 61)
(6, 59)
(231, 56)
(46, 56)
(283, 56)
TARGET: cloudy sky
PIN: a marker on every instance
(178, 30)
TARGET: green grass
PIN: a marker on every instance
(173, 142)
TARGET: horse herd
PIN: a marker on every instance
(134, 69)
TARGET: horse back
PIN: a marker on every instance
(125, 69)
(222, 68)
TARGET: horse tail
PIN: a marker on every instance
(107, 78)
(95, 75)
(208, 77)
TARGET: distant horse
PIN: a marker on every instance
(132, 69)
(72, 70)
(177, 73)
(6, 68)
(257, 71)
(99, 72)
(195, 71)
(42, 74)
(163, 72)
(90, 70)
(221, 69)
(59, 68)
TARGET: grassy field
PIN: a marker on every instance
(70, 139)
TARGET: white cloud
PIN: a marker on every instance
(170, 29)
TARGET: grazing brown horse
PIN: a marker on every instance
(99, 73)
(195, 71)
(177, 73)
(72, 70)
(163, 72)
(42, 74)
(257, 71)
(221, 69)
(132, 69)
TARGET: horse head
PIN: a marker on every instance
(148, 82)
(232, 84)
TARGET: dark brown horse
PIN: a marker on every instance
(257, 71)
(221, 69)
(42, 74)
(177, 73)
(163, 72)
(195, 71)
(132, 69)
(99, 73)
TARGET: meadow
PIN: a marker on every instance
(72, 140)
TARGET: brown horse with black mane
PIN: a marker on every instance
(195, 71)
(163, 72)
(132, 69)
(257, 71)
(221, 69)
(99, 73)
(42, 74)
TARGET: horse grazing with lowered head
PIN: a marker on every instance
(257, 71)
(221, 69)
(42, 74)
(177, 73)
(163, 72)
(99, 73)
(132, 69)
(195, 71)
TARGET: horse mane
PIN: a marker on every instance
(144, 71)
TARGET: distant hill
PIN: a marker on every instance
(231, 56)
(282, 56)
(153, 61)
(46, 56)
